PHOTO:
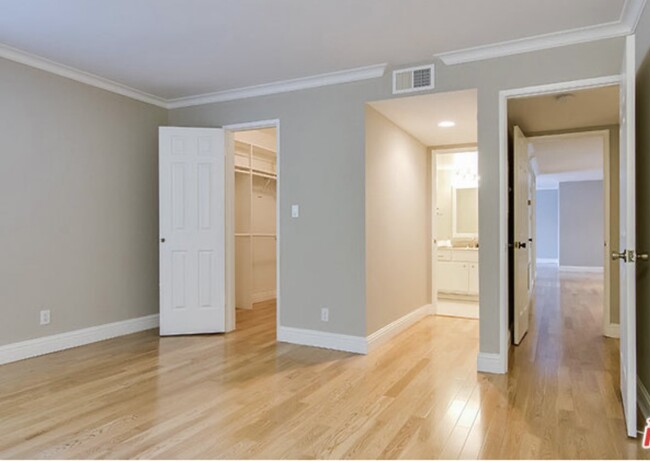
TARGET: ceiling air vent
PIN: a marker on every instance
(413, 79)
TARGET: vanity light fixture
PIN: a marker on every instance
(446, 124)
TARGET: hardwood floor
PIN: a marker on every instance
(244, 396)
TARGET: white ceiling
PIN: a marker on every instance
(420, 115)
(560, 159)
(586, 108)
(177, 48)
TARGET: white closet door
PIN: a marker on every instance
(192, 230)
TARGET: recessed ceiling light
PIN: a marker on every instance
(446, 124)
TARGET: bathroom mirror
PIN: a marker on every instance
(465, 212)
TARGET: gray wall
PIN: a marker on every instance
(79, 201)
(322, 166)
(547, 220)
(582, 222)
(398, 222)
(643, 195)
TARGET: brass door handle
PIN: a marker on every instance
(642, 257)
(622, 255)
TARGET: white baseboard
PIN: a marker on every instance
(643, 399)
(594, 269)
(454, 308)
(262, 296)
(555, 261)
(613, 330)
(314, 338)
(391, 330)
(491, 363)
(53, 343)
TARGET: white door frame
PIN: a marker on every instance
(230, 217)
(504, 96)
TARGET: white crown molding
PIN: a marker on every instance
(630, 15)
(536, 43)
(32, 60)
(47, 344)
(632, 10)
(315, 81)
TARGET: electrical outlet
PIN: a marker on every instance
(45, 317)
(325, 314)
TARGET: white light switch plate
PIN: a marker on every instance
(295, 211)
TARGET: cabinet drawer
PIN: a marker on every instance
(444, 255)
(465, 255)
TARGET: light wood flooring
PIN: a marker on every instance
(243, 395)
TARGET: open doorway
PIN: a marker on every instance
(564, 221)
(254, 173)
(422, 232)
(573, 140)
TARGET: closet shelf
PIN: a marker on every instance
(260, 173)
(248, 234)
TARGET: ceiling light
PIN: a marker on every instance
(446, 124)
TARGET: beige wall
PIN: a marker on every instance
(398, 222)
(643, 196)
(79, 204)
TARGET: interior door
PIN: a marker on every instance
(628, 238)
(192, 230)
(521, 246)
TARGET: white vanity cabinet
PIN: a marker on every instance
(458, 271)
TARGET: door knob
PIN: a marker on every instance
(642, 256)
(622, 255)
(520, 244)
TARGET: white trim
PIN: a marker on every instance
(612, 330)
(590, 269)
(643, 399)
(535, 43)
(315, 81)
(504, 95)
(230, 202)
(632, 10)
(263, 296)
(458, 308)
(53, 343)
(491, 363)
(314, 338)
(391, 330)
(32, 60)
(630, 15)
(553, 261)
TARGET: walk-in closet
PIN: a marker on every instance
(255, 216)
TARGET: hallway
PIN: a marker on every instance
(244, 395)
